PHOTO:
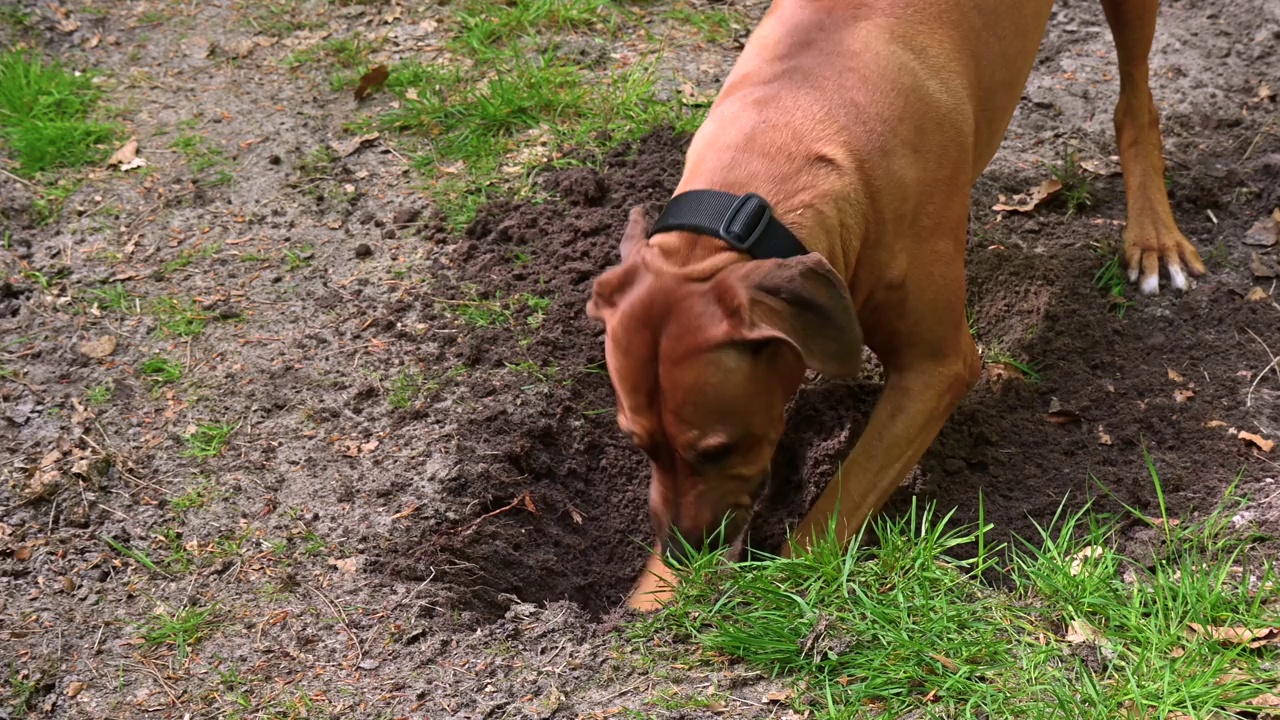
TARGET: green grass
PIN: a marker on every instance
(198, 152)
(114, 298)
(194, 498)
(297, 259)
(208, 440)
(713, 24)
(134, 554)
(188, 256)
(46, 115)
(498, 310)
(100, 394)
(1075, 182)
(1110, 277)
(1028, 369)
(181, 628)
(405, 388)
(904, 628)
(179, 318)
(161, 371)
(508, 100)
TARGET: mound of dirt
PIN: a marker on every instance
(555, 497)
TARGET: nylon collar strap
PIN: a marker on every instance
(745, 222)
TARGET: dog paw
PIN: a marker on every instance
(654, 588)
(1146, 247)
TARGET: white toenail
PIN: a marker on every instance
(1177, 278)
(1151, 285)
(1133, 274)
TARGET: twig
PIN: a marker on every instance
(11, 176)
(342, 616)
(524, 498)
(1248, 401)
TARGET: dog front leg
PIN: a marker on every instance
(916, 402)
(1150, 235)
(655, 586)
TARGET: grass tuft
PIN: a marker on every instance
(1075, 629)
(208, 440)
(45, 115)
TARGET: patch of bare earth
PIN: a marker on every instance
(423, 509)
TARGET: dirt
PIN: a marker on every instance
(462, 554)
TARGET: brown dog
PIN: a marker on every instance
(864, 125)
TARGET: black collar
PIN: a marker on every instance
(746, 222)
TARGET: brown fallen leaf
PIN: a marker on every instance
(1080, 631)
(371, 81)
(1257, 294)
(1174, 376)
(1265, 92)
(1103, 437)
(1262, 267)
(1182, 395)
(1263, 443)
(1110, 166)
(1028, 201)
(347, 147)
(22, 553)
(1215, 424)
(75, 688)
(778, 696)
(98, 348)
(369, 447)
(1078, 560)
(1253, 637)
(1161, 522)
(345, 565)
(125, 154)
(528, 504)
(577, 516)
(1263, 233)
(947, 663)
(1264, 700)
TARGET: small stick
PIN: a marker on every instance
(1248, 401)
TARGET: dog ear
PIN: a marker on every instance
(637, 232)
(801, 301)
(613, 282)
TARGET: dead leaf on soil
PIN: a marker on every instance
(1253, 637)
(1080, 631)
(1028, 201)
(1103, 437)
(1109, 166)
(1257, 294)
(1263, 443)
(577, 516)
(1264, 233)
(1174, 376)
(946, 662)
(22, 553)
(126, 153)
(1078, 560)
(1264, 700)
(98, 348)
(1182, 395)
(1161, 522)
(1262, 267)
(347, 147)
(345, 565)
(1265, 92)
(1215, 424)
(778, 696)
(75, 688)
(371, 81)
(1059, 415)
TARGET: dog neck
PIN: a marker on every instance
(822, 207)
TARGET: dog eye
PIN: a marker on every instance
(713, 454)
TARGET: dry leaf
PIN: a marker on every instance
(1260, 267)
(347, 147)
(127, 153)
(1263, 233)
(1078, 560)
(369, 447)
(577, 516)
(345, 565)
(1215, 423)
(1103, 437)
(405, 512)
(1263, 443)
(1174, 376)
(371, 81)
(99, 348)
(778, 696)
(1257, 294)
(528, 504)
(411, 94)
(1161, 522)
(1079, 631)
(1110, 166)
(947, 663)
(1264, 700)
(1029, 200)
(22, 553)
(1181, 395)
(1254, 638)
(1265, 92)
(75, 688)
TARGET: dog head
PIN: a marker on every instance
(703, 364)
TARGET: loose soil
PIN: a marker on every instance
(463, 549)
